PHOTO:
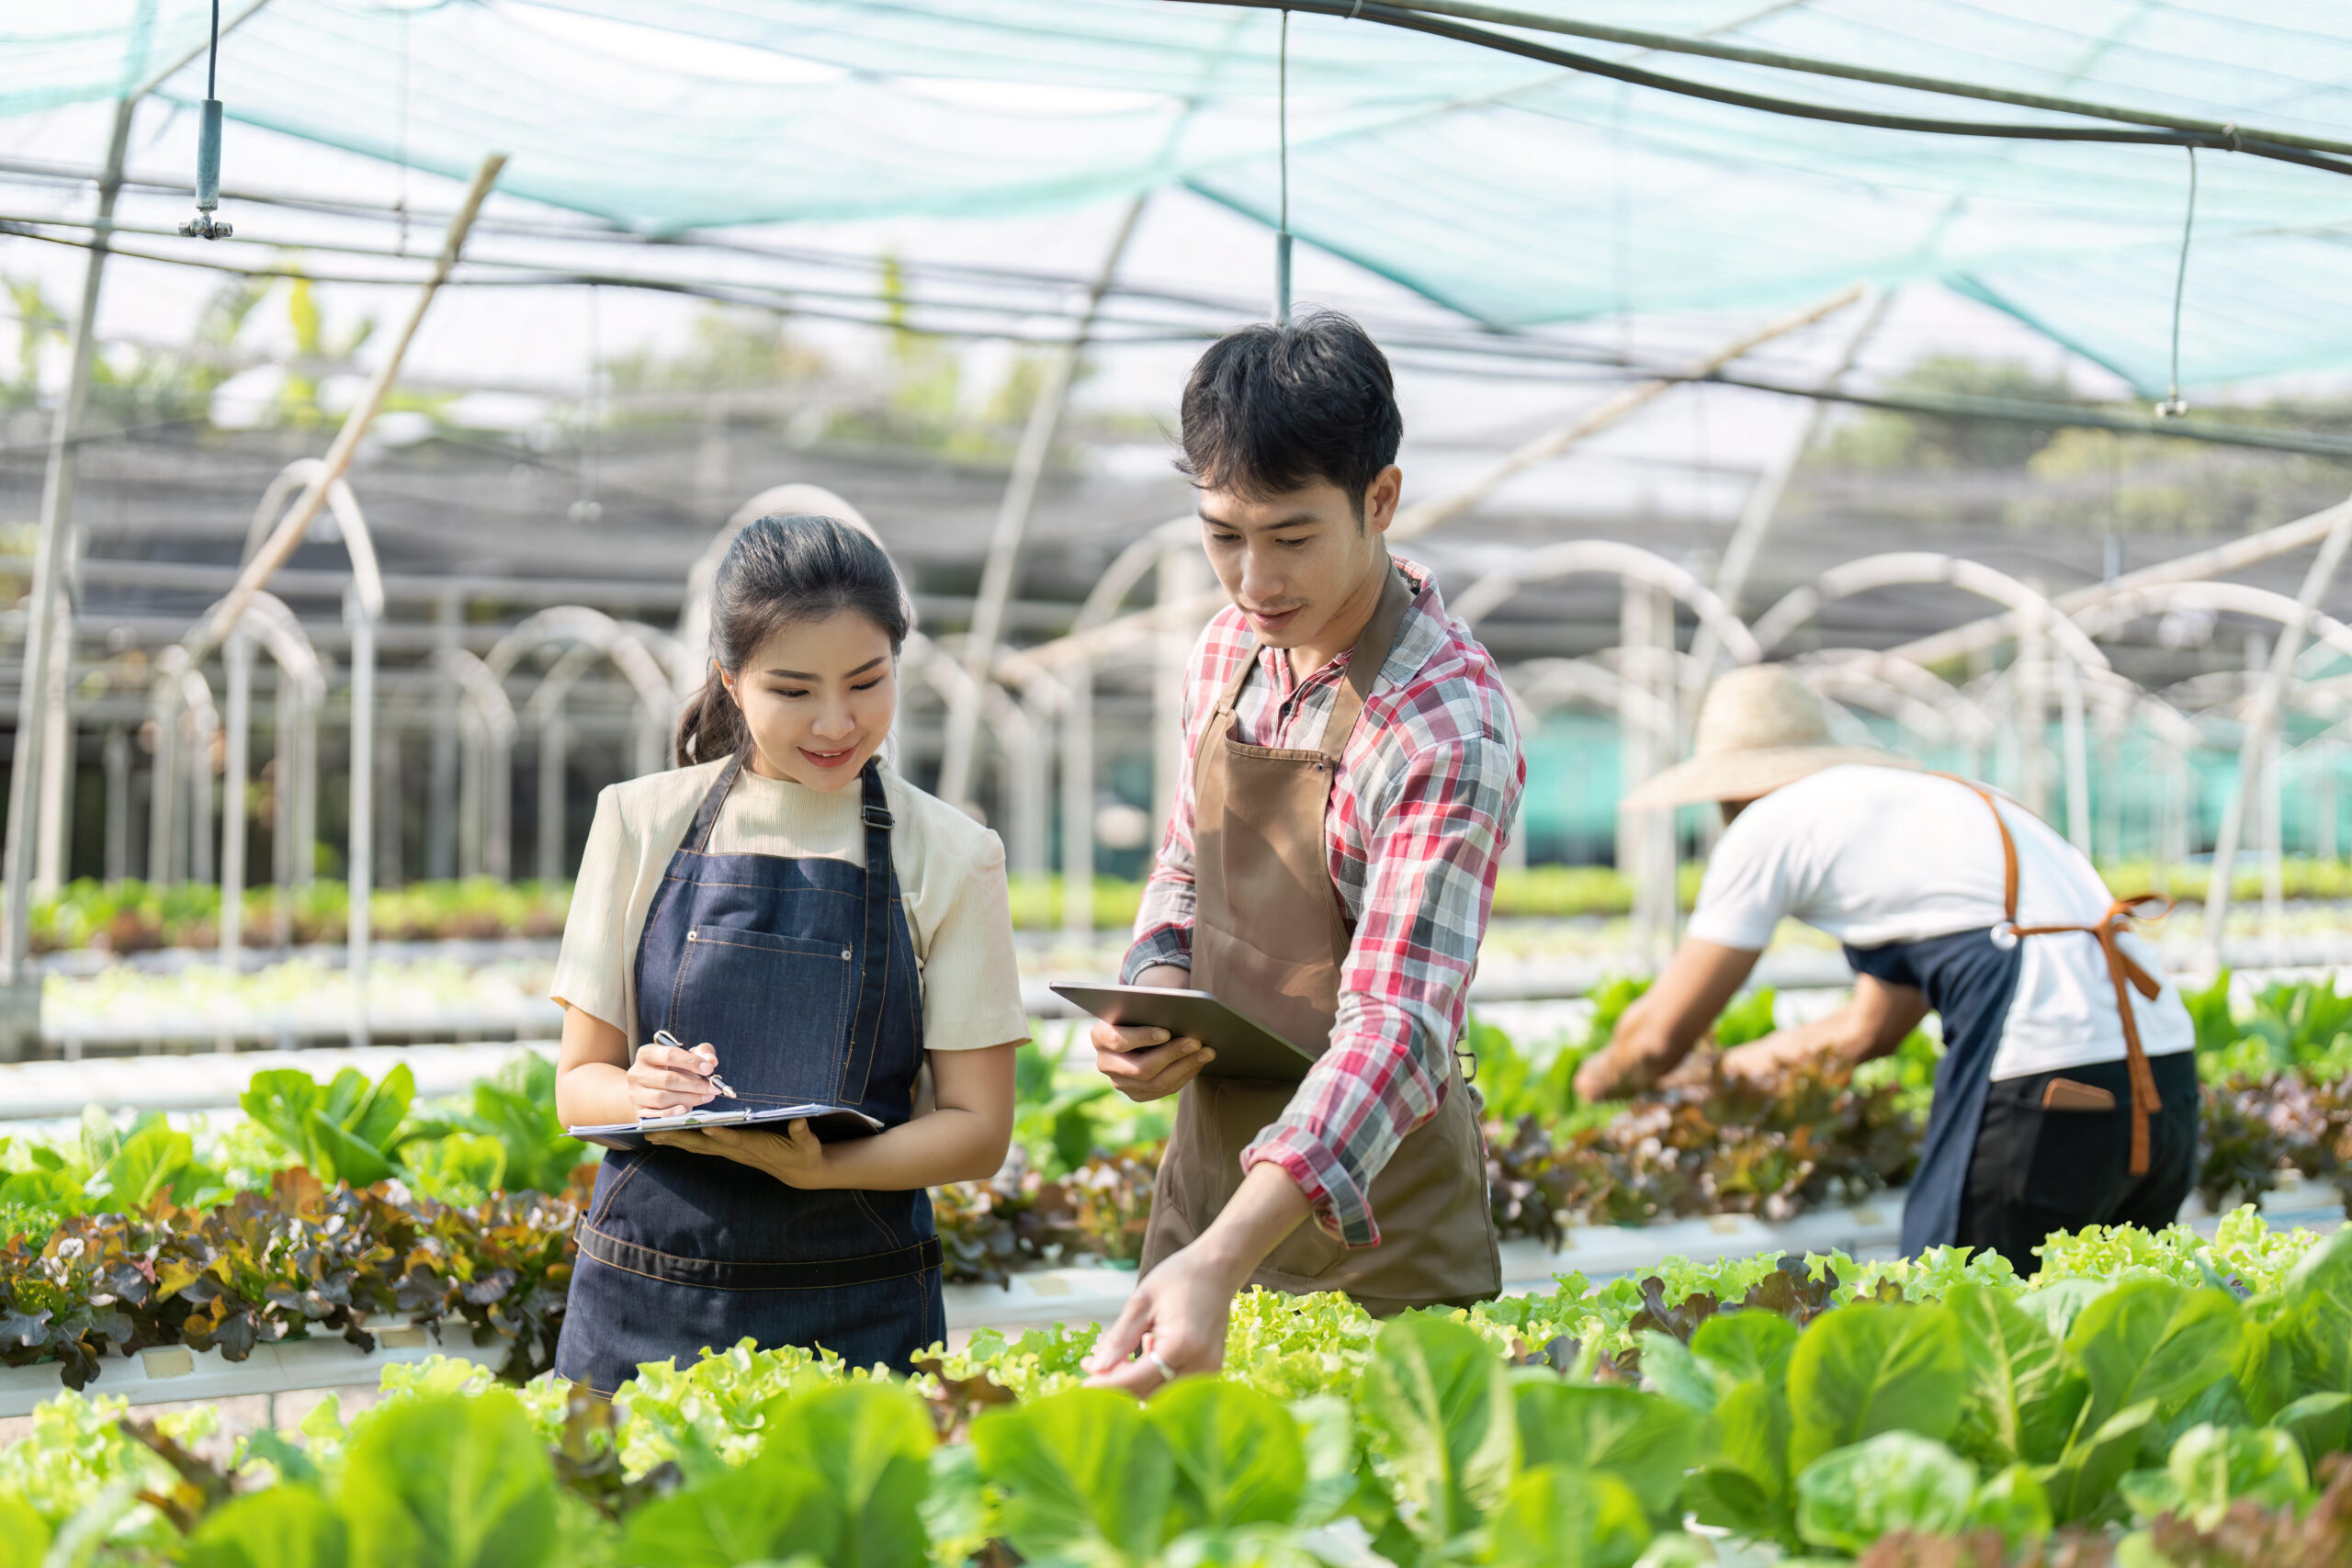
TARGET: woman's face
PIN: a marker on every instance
(818, 698)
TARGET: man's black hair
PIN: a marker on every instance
(1271, 408)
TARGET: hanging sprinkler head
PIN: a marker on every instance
(207, 179)
(208, 151)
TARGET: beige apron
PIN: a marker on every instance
(1270, 934)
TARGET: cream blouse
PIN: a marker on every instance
(951, 877)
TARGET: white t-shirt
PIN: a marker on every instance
(950, 877)
(1876, 855)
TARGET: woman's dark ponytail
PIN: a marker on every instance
(711, 726)
(779, 570)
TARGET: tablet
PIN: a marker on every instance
(1245, 1048)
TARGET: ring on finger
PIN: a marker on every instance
(1167, 1374)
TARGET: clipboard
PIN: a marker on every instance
(832, 1123)
(1245, 1048)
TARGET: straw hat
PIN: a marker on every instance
(1759, 727)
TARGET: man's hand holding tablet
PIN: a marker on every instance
(1145, 1064)
(1154, 1039)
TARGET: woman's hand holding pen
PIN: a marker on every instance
(666, 1079)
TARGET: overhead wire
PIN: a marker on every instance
(1281, 131)
(2167, 133)
(2174, 407)
(1704, 47)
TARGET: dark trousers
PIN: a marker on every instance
(2037, 1170)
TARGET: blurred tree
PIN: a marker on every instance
(38, 322)
(729, 348)
(1883, 439)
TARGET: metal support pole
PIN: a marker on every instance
(2074, 741)
(358, 862)
(498, 857)
(162, 799)
(304, 864)
(2268, 695)
(58, 751)
(22, 1011)
(2274, 842)
(286, 780)
(2180, 802)
(1026, 787)
(653, 745)
(1646, 630)
(238, 654)
(552, 740)
(441, 823)
(956, 769)
(392, 802)
(2324, 762)
(1077, 805)
(2033, 714)
(2110, 826)
(116, 758)
(202, 731)
(469, 799)
(1181, 573)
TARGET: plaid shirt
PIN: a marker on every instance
(1420, 805)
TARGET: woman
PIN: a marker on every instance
(782, 897)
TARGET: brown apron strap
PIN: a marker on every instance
(2125, 973)
(2008, 847)
(1364, 661)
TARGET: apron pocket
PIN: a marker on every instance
(775, 1007)
(2073, 1159)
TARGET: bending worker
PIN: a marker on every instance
(1350, 770)
(2067, 1094)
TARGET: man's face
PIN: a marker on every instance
(1295, 562)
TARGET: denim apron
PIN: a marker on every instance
(1970, 978)
(802, 973)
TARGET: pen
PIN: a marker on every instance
(664, 1037)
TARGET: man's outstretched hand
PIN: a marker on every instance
(1174, 1324)
(1178, 1314)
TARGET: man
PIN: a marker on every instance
(1351, 769)
(2067, 1094)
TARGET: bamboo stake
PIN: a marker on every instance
(1421, 516)
(281, 545)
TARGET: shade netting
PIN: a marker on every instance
(1517, 192)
